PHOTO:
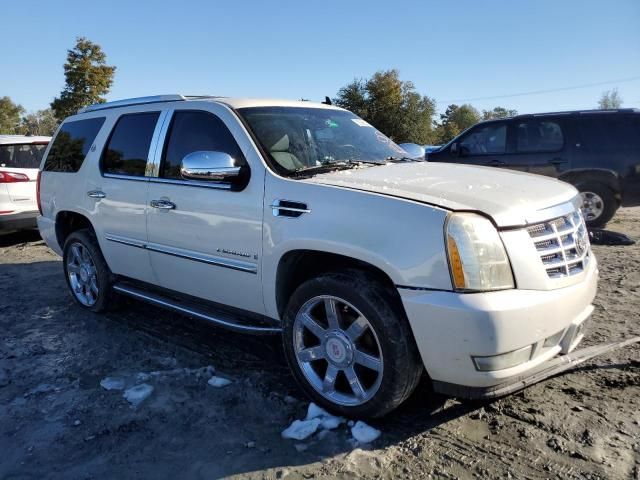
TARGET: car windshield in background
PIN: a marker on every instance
(300, 139)
(22, 155)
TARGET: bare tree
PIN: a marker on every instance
(610, 99)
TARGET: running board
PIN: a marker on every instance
(551, 368)
(219, 318)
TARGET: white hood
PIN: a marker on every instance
(511, 198)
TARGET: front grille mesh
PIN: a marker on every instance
(563, 244)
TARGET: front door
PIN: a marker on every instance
(205, 237)
(485, 145)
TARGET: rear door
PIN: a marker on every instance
(116, 192)
(540, 145)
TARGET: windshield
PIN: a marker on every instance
(26, 155)
(300, 139)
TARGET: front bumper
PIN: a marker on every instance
(18, 221)
(451, 328)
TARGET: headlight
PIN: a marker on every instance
(477, 259)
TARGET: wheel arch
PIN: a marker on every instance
(67, 222)
(297, 266)
(610, 178)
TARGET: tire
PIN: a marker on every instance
(88, 256)
(394, 366)
(602, 203)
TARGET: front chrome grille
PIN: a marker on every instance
(563, 244)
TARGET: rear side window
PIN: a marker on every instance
(193, 131)
(127, 150)
(71, 145)
(605, 133)
(538, 136)
(27, 155)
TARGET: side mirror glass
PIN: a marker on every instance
(414, 151)
(209, 166)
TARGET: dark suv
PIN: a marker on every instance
(597, 151)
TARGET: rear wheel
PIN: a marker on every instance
(88, 276)
(350, 346)
(599, 203)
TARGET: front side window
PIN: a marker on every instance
(194, 131)
(489, 139)
(538, 136)
(26, 155)
(127, 150)
(71, 145)
(300, 138)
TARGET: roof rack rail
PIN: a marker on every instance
(580, 112)
(141, 101)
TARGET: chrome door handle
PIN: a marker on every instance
(163, 204)
(96, 194)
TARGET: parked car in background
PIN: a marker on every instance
(301, 219)
(414, 151)
(597, 151)
(431, 148)
(20, 157)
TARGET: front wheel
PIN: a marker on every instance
(350, 346)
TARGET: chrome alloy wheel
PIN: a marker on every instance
(82, 275)
(592, 205)
(338, 350)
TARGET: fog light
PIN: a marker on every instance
(553, 340)
(502, 361)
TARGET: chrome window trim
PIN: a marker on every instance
(196, 257)
(191, 183)
(126, 177)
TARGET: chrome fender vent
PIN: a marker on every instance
(289, 208)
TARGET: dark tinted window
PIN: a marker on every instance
(71, 145)
(486, 140)
(605, 133)
(193, 131)
(127, 150)
(22, 156)
(538, 136)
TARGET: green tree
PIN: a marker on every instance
(9, 116)
(610, 99)
(42, 122)
(391, 105)
(456, 119)
(498, 112)
(87, 77)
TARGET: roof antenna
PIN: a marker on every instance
(327, 101)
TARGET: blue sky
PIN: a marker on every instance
(451, 50)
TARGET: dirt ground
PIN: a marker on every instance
(56, 421)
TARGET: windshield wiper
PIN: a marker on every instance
(333, 165)
(403, 159)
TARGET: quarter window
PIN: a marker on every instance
(490, 139)
(26, 155)
(128, 147)
(538, 136)
(71, 145)
(193, 131)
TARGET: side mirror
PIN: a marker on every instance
(414, 151)
(209, 166)
(463, 151)
(454, 148)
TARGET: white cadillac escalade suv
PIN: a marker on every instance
(302, 219)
